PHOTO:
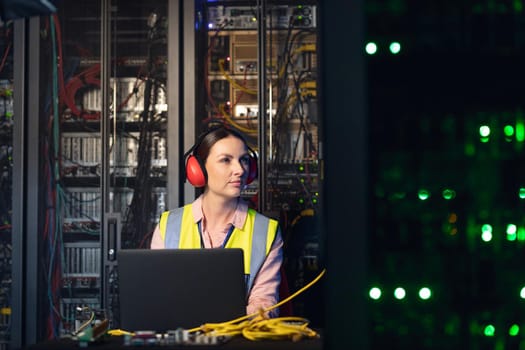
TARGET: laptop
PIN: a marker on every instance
(167, 289)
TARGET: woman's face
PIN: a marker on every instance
(227, 166)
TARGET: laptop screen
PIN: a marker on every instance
(167, 289)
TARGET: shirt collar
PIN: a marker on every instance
(239, 216)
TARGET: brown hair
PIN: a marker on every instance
(202, 148)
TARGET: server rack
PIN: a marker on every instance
(258, 64)
(6, 179)
(95, 143)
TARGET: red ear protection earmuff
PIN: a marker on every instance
(196, 171)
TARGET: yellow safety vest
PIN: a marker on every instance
(179, 230)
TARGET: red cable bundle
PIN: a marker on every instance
(89, 77)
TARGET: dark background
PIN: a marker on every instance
(460, 67)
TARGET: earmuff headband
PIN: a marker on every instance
(195, 170)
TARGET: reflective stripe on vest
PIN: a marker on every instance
(255, 238)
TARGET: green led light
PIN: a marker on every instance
(522, 293)
(521, 193)
(423, 194)
(449, 194)
(520, 131)
(375, 293)
(514, 330)
(486, 228)
(484, 131)
(399, 293)
(518, 6)
(486, 233)
(508, 130)
(521, 234)
(301, 167)
(314, 200)
(512, 231)
(398, 195)
(371, 48)
(301, 200)
(425, 293)
(489, 330)
(395, 47)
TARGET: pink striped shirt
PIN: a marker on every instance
(265, 290)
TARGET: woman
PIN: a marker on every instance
(222, 163)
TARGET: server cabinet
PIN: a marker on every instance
(98, 91)
(113, 154)
(6, 178)
(257, 69)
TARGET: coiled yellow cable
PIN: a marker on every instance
(258, 326)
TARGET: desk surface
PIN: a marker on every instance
(235, 343)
